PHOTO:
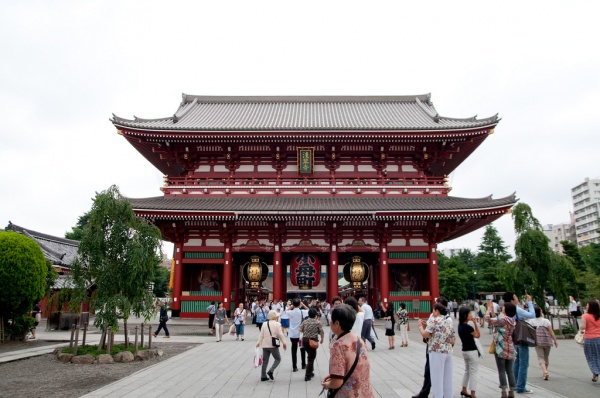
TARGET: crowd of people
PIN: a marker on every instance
(351, 334)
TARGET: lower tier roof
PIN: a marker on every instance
(319, 205)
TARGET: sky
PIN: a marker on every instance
(67, 66)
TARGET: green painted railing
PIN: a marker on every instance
(424, 306)
(199, 293)
(407, 255)
(203, 255)
(194, 306)
(409, 293)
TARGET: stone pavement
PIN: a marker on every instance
(225, 369)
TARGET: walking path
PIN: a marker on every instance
(225, 369)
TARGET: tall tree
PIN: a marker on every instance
(534, 254)
(118, 253)
(491, 260)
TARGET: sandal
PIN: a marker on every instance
(546, 376)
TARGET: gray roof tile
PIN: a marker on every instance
(318, 204)
(207, 113)
(59, 251)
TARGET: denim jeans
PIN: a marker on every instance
(505, 368)
(521, 366)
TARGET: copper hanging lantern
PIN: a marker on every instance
(255, 272)
(356, 272)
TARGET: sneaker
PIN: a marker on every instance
(526, 392)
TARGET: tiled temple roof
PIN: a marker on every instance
(306, 113)
(318, 205)
(59, 251)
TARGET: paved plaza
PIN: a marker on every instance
(225, 369)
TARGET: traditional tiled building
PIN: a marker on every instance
(301, 187)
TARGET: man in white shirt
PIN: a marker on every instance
(296, 316)
(368, 323)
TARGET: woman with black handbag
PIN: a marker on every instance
(269, 339)
(348, 361)
(389, 324)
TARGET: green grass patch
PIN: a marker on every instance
(94, 351)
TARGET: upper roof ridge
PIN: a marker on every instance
(187, 98)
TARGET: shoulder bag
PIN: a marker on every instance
(579, 337)
(331, 393)
(524, 334)
(274, 340)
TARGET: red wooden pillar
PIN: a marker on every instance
(177, 276)
(434, 286)
(332, 273)
(277, 273)
(384, 275)
(227, 275)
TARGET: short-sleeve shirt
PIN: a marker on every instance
(342, 357)
(441, 334)
(468, 341)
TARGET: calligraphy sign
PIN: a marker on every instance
(306, 157)
(306, 271)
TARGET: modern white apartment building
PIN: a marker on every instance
(586, 206)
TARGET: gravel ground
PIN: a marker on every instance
(44, 376)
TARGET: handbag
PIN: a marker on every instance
(579, 337)
(480, 350)
(314, 344)
(408, 326)
(524, 334)
(492, 347)
(389, 325)
(331, 393)
(274, 340)
(232, 330)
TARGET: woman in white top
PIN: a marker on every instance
(545, 336)
(270, 333)
(240, 321)
(360, 316)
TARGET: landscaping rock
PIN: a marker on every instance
(146, 355)
(105, 358)
(83, 359)
(124, 356)
(64, 358)
(58, 350)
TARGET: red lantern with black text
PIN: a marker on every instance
(305, 271)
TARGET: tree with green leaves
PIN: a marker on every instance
(537, 267)
(118, 254)
(491, 260)
(23, 272)
(453, 277)
(161, 281)
(77, 231)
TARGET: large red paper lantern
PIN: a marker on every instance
(305, 271)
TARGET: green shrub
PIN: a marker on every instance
(94, 351)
